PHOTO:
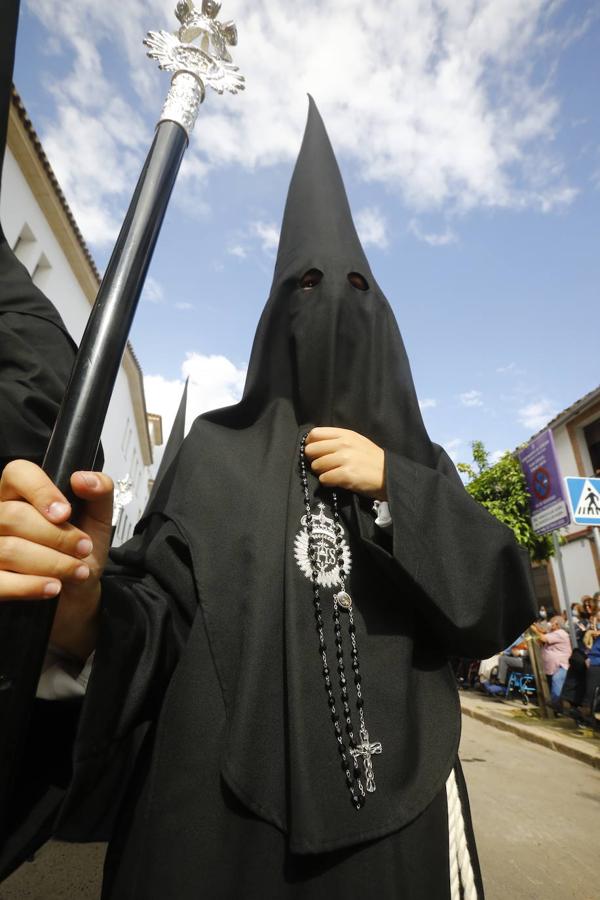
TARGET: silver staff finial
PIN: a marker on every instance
(195, 65)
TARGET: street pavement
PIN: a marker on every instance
(536, 814)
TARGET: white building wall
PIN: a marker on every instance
(120, 438)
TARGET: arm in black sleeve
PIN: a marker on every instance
(35, 362)
(473, 582)
(148, 605)
(149, 602)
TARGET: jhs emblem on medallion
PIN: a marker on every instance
(324, 542)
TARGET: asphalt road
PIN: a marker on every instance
(536, 815)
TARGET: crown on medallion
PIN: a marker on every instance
(322, 524)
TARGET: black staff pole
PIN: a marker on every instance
(76, 436)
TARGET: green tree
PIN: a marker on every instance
(502, 489)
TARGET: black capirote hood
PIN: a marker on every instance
(334, 350)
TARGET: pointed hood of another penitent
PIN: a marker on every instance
(334, 349)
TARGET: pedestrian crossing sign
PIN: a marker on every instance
(584, 494)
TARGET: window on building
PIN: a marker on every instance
(40, 274)
(26, 249)
(591, 434)
(126, 438)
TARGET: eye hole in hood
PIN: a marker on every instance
(311, 279)
(358, 281)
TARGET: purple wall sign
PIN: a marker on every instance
(548, 504)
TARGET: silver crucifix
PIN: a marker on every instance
(198, 55)
(365, 751)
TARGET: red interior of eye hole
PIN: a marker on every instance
(358, 281)
(310, 279)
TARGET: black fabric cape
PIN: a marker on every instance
(36, 356)
(208, 631)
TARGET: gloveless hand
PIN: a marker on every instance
(345, 459)
(42, 554)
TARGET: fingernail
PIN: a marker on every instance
(58, 510)
(84, 547)
(81, 573)
(52, 589)
(89, 478)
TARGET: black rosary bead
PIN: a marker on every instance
(357, 678)
(360, 702)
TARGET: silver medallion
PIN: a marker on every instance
(343, 600)
(325, 545)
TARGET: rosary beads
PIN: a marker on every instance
(353, 753)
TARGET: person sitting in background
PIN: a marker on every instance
(512, 658)
(556, 652)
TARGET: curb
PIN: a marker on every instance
(535, 737)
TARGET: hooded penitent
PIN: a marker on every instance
(36, 352)
(208, 622)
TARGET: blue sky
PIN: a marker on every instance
(468, 134)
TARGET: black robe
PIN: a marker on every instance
(36, 356)
(207, 626)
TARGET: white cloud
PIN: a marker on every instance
(153, 291)
(238, 251)
(535, 415)
(184, 307)
(214, 381)
(452, 447)
(511, 369)
(496, 456)
(428, 403)
(452, 105)
(433, 238)
(268, 235)
(471, 398)
(372, 228)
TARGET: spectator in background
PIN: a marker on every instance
(579, 624)
(592, 691)
(556, 652)
(512, 658)
(587, 610)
